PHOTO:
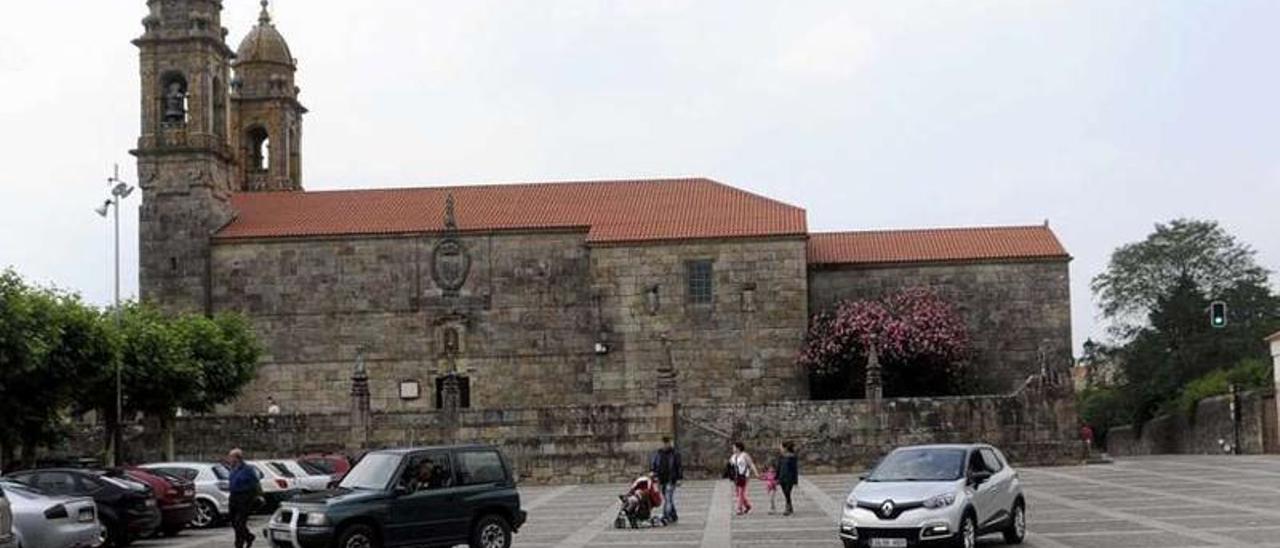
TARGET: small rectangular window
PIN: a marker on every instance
(699, 273)
(478, 467)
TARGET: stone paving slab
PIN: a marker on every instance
(1157, 502)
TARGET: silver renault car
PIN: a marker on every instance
(935, 495)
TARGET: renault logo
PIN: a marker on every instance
(886, 509)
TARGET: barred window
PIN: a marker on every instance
(699, 273)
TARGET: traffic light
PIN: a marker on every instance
(1218, 314)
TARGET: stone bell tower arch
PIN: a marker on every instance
(184, 156)
(268, 117)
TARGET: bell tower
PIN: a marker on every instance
(185, 160)
(267, 135)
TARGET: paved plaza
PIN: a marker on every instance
(1165, 502)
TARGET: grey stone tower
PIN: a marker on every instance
(185, 161)
(268, 116)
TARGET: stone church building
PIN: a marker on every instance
(517, 295)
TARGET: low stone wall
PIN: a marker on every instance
(572, 444)
(1207, 431)
(850, 435)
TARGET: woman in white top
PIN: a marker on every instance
(744, 468)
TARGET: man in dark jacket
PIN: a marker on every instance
(788, 473)
(244, 488)
(666, 465)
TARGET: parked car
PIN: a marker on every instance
(7, 537)
(950, 494)
(305, 480)
(434, 496)
(47, 521)
(334, 465)
(212, 499)
(127, 509)
(329, 464)
(174, 496)
(276, 488)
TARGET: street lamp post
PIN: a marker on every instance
(119, 191)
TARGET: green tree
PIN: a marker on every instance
(50, 343)
(1141, 273)
(1157, 293)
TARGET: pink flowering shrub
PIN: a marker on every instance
(922, 342)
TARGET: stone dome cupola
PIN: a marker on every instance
(264, 44)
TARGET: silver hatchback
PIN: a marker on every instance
(935, 494)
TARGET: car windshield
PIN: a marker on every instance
(374, 472)
(920, 465)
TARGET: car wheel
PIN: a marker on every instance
(968, 535)
(206, 515)
(491, 532)
(358, 536)
(1017, 530)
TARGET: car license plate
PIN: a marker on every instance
(279, 535)
(85, 515)
(888, 542)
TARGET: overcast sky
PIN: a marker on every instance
(1103, 117)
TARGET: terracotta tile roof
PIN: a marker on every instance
(935, 245)
(609, 211)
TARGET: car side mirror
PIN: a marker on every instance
(400, 490)
(979, 478)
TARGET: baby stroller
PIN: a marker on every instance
(638, 505)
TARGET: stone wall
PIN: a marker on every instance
(1031, 427)
(528, 319)
(612, 442)
(1014, 310)
(741, 346)
(1208, 431)
(524, 319)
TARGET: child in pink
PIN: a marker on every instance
(770, 479)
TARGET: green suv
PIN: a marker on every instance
(431, 496)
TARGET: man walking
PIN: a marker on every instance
(244, 489)
(666, 465)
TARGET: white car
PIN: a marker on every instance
(7, 537)
(213, 497)
(43, 520)
(950, 494)
(304, 479)
(276, 488)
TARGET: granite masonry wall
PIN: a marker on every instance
(740, 347)
(527, 320)
(524, 320)
(1033, 426)
(593, 443)
(1015, 310)
(1207, 431)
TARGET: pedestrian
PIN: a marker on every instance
(741, 469)
(272, 407)
(244, 487)
(1086, 441)
(788, 473)
(770, 479)
(665, 464)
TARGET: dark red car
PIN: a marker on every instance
(175, 496)
(334, 465)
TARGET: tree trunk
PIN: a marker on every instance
(28, 452)
(166, 424)
(111, 424)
